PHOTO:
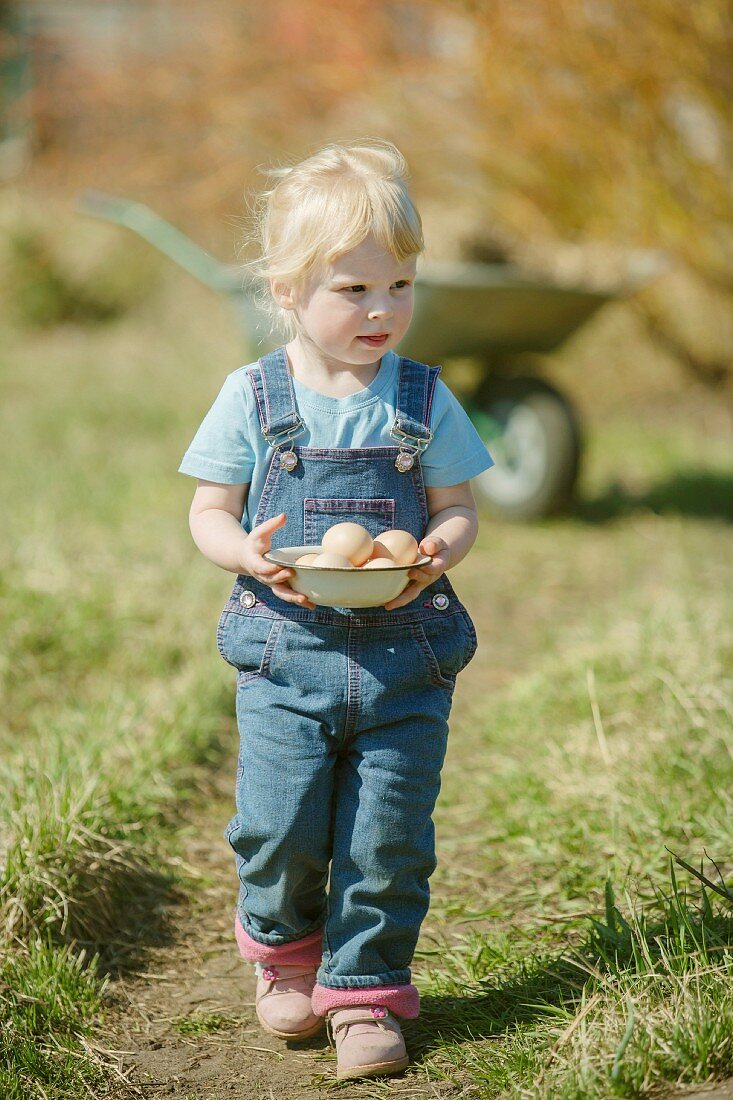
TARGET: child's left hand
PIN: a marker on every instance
(423, 575)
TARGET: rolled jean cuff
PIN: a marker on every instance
(401, 1000)
(306, 951)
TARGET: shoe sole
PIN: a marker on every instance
(292, 1035)
(375, 1069)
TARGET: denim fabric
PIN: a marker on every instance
(343, 720)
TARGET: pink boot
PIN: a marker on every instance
(283, 1000)
(368, 1042)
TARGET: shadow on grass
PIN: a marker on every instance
(144, 896)
(701, 494)
(616, 949)
(522, 999)
(143, 902)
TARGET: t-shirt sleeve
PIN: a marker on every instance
(222, 450)
(456, 452)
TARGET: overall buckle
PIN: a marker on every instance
(278, 440)
(411, 447)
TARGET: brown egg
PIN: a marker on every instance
(350, 539)
(380, 551)
(306, 559)
(401, 545)
(329, 560)
(378, 563)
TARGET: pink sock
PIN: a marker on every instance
(402, 1000)
(306, 951)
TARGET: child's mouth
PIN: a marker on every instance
(375, 341)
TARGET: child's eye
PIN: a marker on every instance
(401, 283)
(357, 288)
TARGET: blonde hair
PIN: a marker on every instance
(324, 206)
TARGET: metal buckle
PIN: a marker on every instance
(411, 447)
(287, 435)
(419, 442)
(288, 458)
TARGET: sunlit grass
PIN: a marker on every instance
(203, 1023)
(49, 1002)
(641, 999)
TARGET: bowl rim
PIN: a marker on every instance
(423, 559)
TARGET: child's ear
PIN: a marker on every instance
(283, 295)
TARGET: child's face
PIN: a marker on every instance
(361, 305)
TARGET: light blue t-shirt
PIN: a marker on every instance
(230, 449)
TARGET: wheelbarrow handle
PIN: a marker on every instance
(163, 236)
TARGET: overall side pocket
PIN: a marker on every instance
(447, 645)
(247, 642)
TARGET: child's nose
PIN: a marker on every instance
(380, 309)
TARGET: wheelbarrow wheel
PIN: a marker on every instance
(533, 436)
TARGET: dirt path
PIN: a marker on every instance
(185, 1025)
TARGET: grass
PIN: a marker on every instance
(49, 1002)
(109, 714)
(564, 955)
(643, 999)
(203, 1023)
(536, 982)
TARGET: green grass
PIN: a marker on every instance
(203, 1023)
(574, 780)
(612, 745)
(591, 734)
(48, 1004)
(114, 698)
(641, 1000)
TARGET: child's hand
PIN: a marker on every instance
(254, 565)
(423, 575)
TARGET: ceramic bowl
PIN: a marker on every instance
(343, 587)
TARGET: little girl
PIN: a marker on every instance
(342, 713)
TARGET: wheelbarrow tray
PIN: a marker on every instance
(467, 309)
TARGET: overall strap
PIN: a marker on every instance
(273, 387)
(411, 428)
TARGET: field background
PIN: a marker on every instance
(592, 733)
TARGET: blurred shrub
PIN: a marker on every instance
(45, 285)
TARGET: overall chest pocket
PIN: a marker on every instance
(248, 643)
(377, 514)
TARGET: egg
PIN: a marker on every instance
(380, 551)
(329, 560)
(349, 539)
(400, 544)
(379, 563)
(306, 559)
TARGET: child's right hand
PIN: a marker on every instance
(254, 564)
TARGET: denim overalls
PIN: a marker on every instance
(342, 713)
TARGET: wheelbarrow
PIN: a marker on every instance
(486, 312)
